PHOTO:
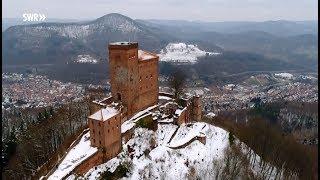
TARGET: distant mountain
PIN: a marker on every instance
(8, 22)
(277, 28)
(298, 49)
(62, 42)
(293, 44)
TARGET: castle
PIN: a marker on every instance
(134, 87)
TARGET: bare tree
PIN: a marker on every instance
(177, 82)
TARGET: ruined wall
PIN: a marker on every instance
(90, 162)
(127, 135)
(183, 118)
(196, 108)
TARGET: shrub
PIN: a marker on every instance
(120, 172)
(146, 122)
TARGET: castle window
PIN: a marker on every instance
(108, 130)
(99, 132)
(117, 127)
(94, 141)
(109, 122)
(119, 96)
(100, 142)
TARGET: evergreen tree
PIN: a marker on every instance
(231, 138)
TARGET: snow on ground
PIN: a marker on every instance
(131, 122)
(166, 120)
(75, 156)
(111, 165)
(284, 75)
(211, 115)
(182, 53)
(164, 133)
(163, 162)
(307, 77)
(85, 58)
(185, 134)
(165, 97)
(179, 111)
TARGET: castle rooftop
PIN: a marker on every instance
(104, 114)
(123, 45)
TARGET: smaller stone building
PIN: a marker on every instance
(105, 130)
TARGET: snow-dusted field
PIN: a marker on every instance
(182, 53)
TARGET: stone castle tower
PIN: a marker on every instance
(133, 76)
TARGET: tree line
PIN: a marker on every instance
(32, 136)
(266, 139)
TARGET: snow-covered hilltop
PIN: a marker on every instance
(113, 22)
(284, 75)
(182, 53)
(170, 152)
(86, 58)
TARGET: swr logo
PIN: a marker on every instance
(33, 17)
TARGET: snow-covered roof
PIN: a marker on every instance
(144, 55)
(104, 114)
(122, 43)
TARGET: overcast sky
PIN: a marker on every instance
(204, 10)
